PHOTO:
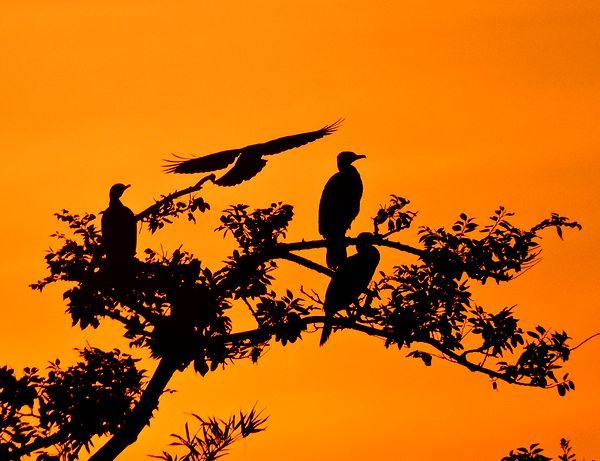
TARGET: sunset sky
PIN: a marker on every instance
(459, 106)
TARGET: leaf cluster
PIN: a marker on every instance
(282, 316)
(393, 216)
(213, 437)
(167, 209)
(534, 453)
(500, 251)
(68, 406)
(258, 229)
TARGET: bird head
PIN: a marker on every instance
(364, 240)
(117, 190)
(345, 159)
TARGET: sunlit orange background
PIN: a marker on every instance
(459, 106)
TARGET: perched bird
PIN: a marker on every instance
(249, 159)
(340, 204)
(119, 229)
(350, 280)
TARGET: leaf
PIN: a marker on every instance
(201, 366)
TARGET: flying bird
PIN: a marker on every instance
(350, 280)
(250, 159)
(119, 229)
(339, 205)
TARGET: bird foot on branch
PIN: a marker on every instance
(211, 177)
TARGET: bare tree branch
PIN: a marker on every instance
(307, 263)
(38, 444)
(259, 334)
(313, 244)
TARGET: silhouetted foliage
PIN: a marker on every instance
(534, 453)
(67, 407)
(213, 437)
(394, 216)
(177, 308)
(170, 210)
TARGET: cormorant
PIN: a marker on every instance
(119, 229)
(350, 280)
(249, 159)
(340, 204)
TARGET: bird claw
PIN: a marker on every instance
(211, 177)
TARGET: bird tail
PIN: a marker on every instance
(325, 332)
(336, 252)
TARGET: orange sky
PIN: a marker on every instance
(460, 106)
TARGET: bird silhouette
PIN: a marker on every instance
(119, 229)
(250, 159)
(340, 204)
(350, 280)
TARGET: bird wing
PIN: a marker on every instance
(340, 204)
(131, 236)
(350, 280)
(105, 226)
(279, 145)
(211, 162)
(246, 167)
(222, 159)
(342, 288)
(328, 207)
(119, 232)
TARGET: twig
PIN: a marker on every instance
(178, 193)
(377, 240)
(585, 341)
(249, 306)
(314, 296)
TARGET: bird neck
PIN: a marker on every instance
(115, 201)
(364, 249)
(346, 167)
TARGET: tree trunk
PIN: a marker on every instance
(140, 415)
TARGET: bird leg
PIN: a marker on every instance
(211, 177)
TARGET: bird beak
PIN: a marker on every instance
(127, 186)
(360, 156)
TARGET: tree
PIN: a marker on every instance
(178, 309)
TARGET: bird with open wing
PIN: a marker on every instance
(248, 160)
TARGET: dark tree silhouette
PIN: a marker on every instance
(178, 309)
